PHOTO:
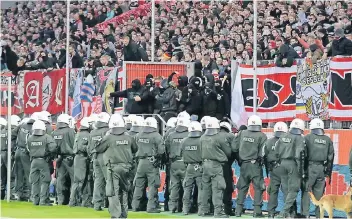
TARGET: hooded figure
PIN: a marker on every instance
(193, 104)
(286, 56)
(135, 98)
(168, 101)
(182, 86)
(223, 103)
(209, 100)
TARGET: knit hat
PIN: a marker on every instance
(339, 32)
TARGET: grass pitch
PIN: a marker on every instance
(16, 209)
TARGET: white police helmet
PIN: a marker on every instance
(226, 126)
(15, 120)
(39, 128)
(317, 126)
(34, 117)
(43, 117)
(47, 114)
(195, 129)
(3, 121)
(85, 122)
(183, 122)
(212, 126)
(93, 118)
(254, 123)
(104, 117)
(151, 125)
(297, 127)
(137, 124)
(64, 118)
(171, 122)
(117, 124)
(183, 114)
(24, 120)
(204, 120)
(280, 128)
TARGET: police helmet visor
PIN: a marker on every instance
(136, 129)
(211, 131)
(117, 130)
(38, 132)
(255, 128)
(317, 131)
(181, 128)
(61, 125)
(30, 121)
(225, 129)
(149, 129)
(278, 134)
(296, 131)
(83, 127)
(195, 134)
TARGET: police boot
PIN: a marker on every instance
(153, 211)
(221, 214)
(166, 206)
(271, 215)
(258, 215)
(229, 212)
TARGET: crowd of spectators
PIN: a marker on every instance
(209, 33)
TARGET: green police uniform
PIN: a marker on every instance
(40, 148)
(3, 144)
(118, 150)
(192, 157)
(64, 137)
(80, 168)
(133, 132)
(150, 146)
(99, 167)
(320, 155)
(215, 152)
(248, 144)
(228, 175)
(289, 148)
(167, 174)
(275, 170)
(177, 168)
(21, 134)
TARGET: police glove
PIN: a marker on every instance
(69, 160)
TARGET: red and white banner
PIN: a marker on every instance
(45, 91)
(276, 88)
(33, 92)
(340, 88)
(15, 95)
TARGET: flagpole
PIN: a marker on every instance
(153, 31)
(255, 26)
(67, 54)
(9, 112)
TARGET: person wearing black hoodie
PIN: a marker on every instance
(9, 57)
(193, 104)
(209, 97)
(182, 86)
(286, 56)
(134, 105)
(223, 103)
(132, 51)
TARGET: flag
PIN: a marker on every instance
(87, 92)
(77, 107)
(238, 111)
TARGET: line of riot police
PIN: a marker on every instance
(111, 161)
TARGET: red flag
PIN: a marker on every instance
(32, 96)
(58, 86)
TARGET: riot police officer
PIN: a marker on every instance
(177, 168)
(290, 148)
(272, 163)
(80, 164)
(226, 130)
(192, 157)
(3, 144)
(215, 152)
(15, 122)
(185, 115)
(128, 121)
(137, 123)
(64, 137)
(248, 144)
(171, 123)
(41, 147)
(150, 149)
(20, 134)
(118, 149)
(99, 167)
(320, 158)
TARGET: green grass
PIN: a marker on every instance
(16, 209)
(28, 210)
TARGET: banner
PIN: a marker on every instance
(16, 94)
(312, 89)
(106, 81)
(33, 94)
(340, 88)
(276, 92)
(46, 91)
